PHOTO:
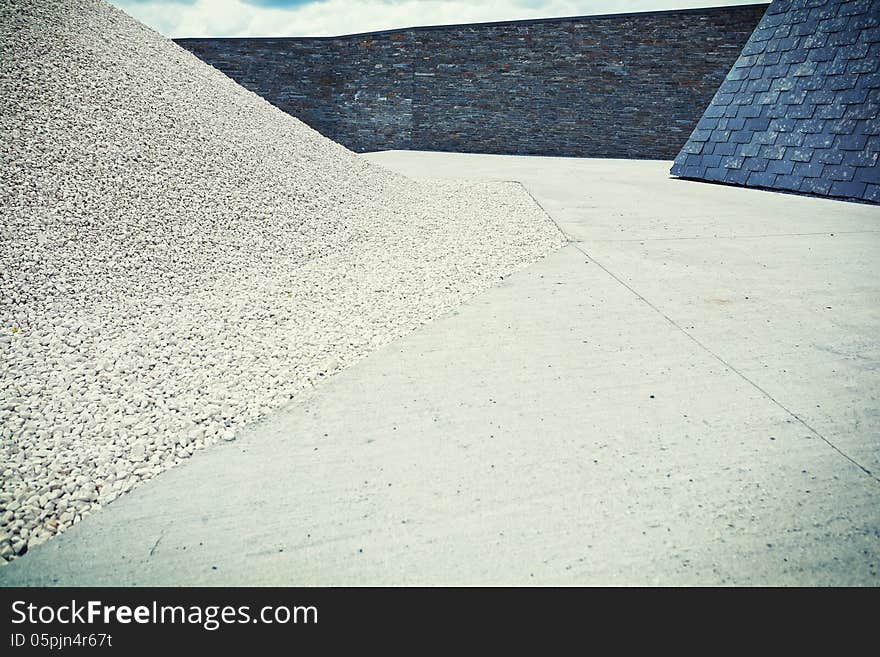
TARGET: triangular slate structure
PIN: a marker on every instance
(800, 109)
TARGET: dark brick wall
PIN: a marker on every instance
(631, 85)
(800, 109)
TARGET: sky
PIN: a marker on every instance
(194, 18)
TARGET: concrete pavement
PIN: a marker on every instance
(685, 394)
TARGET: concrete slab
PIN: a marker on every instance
(619, 413)
(782, 288)
(606, 199)
(799, 316)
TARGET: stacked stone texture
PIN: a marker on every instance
(800, 109)
(630, 85)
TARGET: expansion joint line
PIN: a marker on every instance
(730, 367)
(568, 238)
(577, 244)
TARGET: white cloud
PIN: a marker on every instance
(183, 18)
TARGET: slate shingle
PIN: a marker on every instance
(800, 110)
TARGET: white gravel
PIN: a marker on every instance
(178, 258)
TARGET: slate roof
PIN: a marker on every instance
(800, 109)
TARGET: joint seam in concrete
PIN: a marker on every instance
(731, 367)
(734, 237)
(568, 238)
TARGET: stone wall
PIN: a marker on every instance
(626, 85)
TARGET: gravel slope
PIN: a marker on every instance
(178, 258)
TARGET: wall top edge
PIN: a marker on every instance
(453, 26)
